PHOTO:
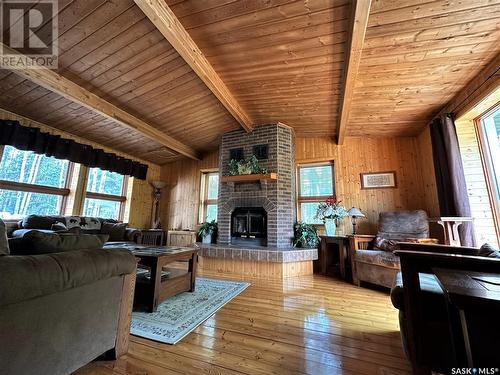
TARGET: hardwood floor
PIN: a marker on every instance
(305, 325)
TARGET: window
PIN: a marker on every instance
(32, 184)
(209, 191)
(315, 184)
(105, 195)
(489, 136)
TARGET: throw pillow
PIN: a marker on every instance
(90, 223)
(4, 242)
(385, 244)
(73, 221)
(36, 242)
(488, 251)
(116, 231)
(59, 227)
(39, 221)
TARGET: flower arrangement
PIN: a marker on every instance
(250, 166)
(331, 209)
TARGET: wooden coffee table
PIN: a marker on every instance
(163, 282)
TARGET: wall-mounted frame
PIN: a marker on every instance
(378, 180)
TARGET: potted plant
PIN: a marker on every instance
(250, 166)
(208, 232)
(330, 211)
(305, 235)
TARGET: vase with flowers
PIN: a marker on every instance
(329, 212)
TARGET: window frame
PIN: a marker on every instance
(63, 192)
(486, 162)
(108, 197)
(204, 201)
(315, 199)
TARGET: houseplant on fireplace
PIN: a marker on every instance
(242, 167)
(329, 212)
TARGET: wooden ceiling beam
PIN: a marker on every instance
(171, 28)
(358, 23)
(55, 82)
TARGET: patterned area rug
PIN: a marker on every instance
(179, 315)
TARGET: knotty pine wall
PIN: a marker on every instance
(181, 197)
(404, 155)
(138, 209)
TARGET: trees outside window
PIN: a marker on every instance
(315, 184)
(32, 184)
(106, 194)
(209, 191)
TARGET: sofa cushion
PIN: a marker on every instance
(59, 227)
(38, 242)
(19, 233)
(27, 277)
(378, 257)
(432, 293)
(488, 251)
(116, 231)
(401, 225)
(40, 221)
(4, 242)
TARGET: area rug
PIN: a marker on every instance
(179, 315)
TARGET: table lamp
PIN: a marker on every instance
(354, 213)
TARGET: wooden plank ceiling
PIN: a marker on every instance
(416, 56)
(282, 60)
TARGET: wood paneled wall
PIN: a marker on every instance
(359, 155)
(181, 197)
(139, 206)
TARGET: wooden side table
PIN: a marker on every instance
(152, 237)
(340, 244)
(450, 226)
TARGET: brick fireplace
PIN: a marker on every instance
(274, 144)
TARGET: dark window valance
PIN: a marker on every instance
(32, 139)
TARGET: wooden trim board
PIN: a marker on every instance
(261, 270)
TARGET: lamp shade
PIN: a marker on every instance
(158, 184)
(355, 212)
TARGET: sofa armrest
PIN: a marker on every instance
(133, 235)
(361, 241)
(27, 277)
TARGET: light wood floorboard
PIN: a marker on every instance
(303, 325)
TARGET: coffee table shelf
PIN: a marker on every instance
(150, 293)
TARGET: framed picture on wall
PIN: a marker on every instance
(378, 180)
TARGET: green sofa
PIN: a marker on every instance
(59, 311)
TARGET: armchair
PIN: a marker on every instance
(378, 266)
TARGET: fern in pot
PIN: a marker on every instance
(208, 232)
(305, 235)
